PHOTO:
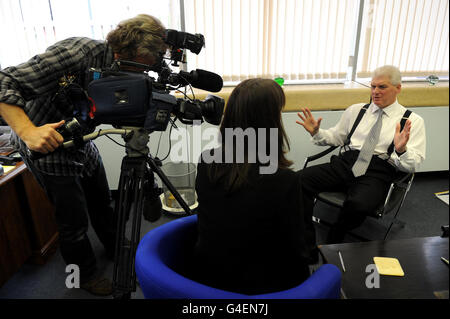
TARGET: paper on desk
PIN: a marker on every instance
(388, 266)
(7, 169)
(443, 196)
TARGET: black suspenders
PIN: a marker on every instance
(358, 119)
(402, 125)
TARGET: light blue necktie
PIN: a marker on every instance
(366, 152)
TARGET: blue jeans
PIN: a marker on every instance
(75, 198)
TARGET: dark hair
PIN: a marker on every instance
(254, 103)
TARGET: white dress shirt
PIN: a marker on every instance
(415, 148)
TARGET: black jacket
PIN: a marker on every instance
(255, 240)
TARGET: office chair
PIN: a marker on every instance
(162, 253)
(394, 200)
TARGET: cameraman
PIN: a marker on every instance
(33, 103)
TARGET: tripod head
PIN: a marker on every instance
(136, 142)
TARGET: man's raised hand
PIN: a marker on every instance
(402, 138)
(308, 121)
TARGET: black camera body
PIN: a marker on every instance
(120, 100)
(135, 99)
(124, 98)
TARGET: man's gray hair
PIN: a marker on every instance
(392, 72)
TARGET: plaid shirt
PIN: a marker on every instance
(32, 85)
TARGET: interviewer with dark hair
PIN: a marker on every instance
(253, 235)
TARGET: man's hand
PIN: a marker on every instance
(402, 138)
(43, 139)
(309, 123)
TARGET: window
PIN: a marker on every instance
(28, 27)
(299, 40)
(411, 34)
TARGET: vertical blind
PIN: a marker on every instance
(411, 34)
(299, 40)
(313, 39)
(28, 27)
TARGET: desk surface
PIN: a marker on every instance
(426, 275)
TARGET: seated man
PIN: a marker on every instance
(376, 150)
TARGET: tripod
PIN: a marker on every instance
(135, 177)
(136, 185)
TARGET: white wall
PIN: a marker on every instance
(436, 123)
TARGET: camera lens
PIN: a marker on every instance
(212, 109)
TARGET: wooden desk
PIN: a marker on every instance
(27, 223)
(426, 275)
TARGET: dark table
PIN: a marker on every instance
(426, 275)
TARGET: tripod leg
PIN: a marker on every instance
(169, 185)
(129, 207)
(122, 208)
(136, 227)
(134, 171)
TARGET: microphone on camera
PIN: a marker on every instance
(201, 79)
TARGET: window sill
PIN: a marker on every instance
(321, 97)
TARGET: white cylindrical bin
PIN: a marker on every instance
(182, 177)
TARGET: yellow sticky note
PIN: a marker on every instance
(7, 169)
(388, 266)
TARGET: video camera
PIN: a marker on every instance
(129, 98)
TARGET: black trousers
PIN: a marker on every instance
(76, 198)
(364, 193)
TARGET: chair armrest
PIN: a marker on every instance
(318, 155)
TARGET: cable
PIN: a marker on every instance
(185, 95)
(170, 144)
(126, 147)
(190, 86)
(159, 142)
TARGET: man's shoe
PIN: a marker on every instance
(99, 286)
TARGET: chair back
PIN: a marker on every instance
(161, 259)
